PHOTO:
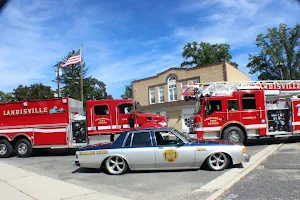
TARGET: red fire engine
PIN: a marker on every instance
(62, 123)
(236, 111)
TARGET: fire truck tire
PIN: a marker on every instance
(234, 134)
(5, 149)
(23, 148)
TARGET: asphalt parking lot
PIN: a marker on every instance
(135, 185)
(276, 178)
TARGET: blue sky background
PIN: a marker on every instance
(125, 40)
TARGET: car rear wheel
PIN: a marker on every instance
(5, 149)
(116, 165)
(218, 161)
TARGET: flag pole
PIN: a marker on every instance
(81, 81)
(58, 81)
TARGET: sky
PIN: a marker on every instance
(124, 40)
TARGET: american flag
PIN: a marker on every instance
(76, 58)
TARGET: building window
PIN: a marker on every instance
(152, 95)
(161, 95)
(196, 80)
(172, 88)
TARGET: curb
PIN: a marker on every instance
(219, 185)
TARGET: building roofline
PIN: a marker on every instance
(180, 68)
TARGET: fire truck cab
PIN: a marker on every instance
(113, 116)
(236, 111)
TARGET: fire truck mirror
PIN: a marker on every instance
(207, 111)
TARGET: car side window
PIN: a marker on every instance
(233, 105)
(166, 138)
(101, 110)
(128, 140)
(141, 139)
(125, 108)
(215, 105)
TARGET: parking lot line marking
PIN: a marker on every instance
(219, 185)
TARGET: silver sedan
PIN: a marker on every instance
(160, 149)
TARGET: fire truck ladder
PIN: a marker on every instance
(271, 87)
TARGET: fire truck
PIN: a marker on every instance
(62, 123)
(236, 111)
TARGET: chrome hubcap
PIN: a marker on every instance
(218, 160)
(234, 137)
(22, 148)
(116, 164)
(3, 149)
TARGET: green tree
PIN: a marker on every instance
(94, 89)
(128, 92)
(279, 57)
(5, 97)
(33, 92)
(205, 53)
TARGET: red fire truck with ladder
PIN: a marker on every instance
(62, 123)
(236, 111)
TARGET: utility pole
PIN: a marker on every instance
(81, 81)
(58, 81)
(280, 66)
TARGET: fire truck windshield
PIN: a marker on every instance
(197, 108)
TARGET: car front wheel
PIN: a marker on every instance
(116, 165)
(217, 161)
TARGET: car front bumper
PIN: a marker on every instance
(246, 157)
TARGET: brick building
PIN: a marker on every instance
(161, 93)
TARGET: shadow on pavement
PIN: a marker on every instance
(102, 170)
(269, 141)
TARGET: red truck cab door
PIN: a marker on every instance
(214, 117)
(124, 115)
(101, 120)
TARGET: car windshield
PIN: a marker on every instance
(185, 135)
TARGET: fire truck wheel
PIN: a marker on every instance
(23, 148)
(234, 134)
(5, 149)
(116, 165)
